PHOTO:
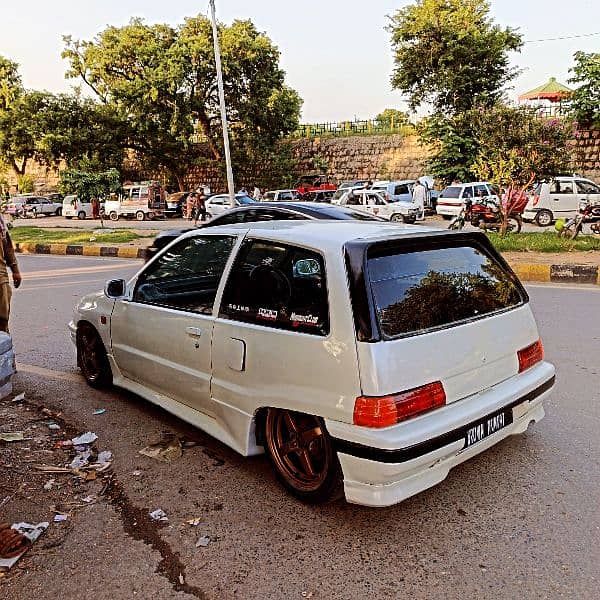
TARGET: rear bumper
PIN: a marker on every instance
(384, 467)
(448, 210)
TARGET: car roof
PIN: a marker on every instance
(469, 183)
(321, 234)
(394, 182)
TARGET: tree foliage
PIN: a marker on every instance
(450, 53)
(162, 81)
(517, 148)
(10, 82)
(86, 185)
(585, 101)
(392, 117)
(51, 128)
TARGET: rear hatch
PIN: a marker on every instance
(444, 308)
(450, 196)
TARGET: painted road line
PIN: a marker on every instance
(49, 373)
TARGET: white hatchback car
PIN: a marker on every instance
(371, 356)
(219, 203)
(452, 198)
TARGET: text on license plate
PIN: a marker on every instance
(487, 426)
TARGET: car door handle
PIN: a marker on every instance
(193, 331)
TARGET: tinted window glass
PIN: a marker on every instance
(451, 192)
(561, 187)
(279, 286)
(587, 187)
(468, 192)
(401, 189)
(415, 292)
(343, 213)
(481, 190)
(229, 218)
(187, 276)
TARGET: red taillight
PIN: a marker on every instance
(531, 355)
(383, 411)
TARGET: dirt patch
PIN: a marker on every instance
(554, 258)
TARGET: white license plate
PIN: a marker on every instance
(487, 426)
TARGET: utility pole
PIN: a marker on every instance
(230, 185)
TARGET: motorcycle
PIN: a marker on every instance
(485, 214)
(572, 227)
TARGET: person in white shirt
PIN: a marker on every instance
(419, 195)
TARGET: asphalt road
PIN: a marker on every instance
(519, 521)
(174, 223)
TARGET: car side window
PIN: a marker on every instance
(228, 218)
(279, 286)
(561, 187)
(587, 187)
(468, 192)
(187, 276)
(284, 196)
(401, 189)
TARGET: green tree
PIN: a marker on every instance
(449, 53)
(162, 81)
(10, 82)
(516, 148)
(52, 128)
(585, 101)
(391, 117)
(87, 185)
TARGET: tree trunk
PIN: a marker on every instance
(206, 130)
(180, 181)
(19, 170)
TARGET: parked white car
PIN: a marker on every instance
(282, 196)
(73, 207)
(330, 346)
(216, 205)
(560, 199)
(452, 198)
(374, 202)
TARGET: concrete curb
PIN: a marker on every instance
(80, 250)
(567, 273)
(564, 273)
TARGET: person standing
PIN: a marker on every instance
(95, 208)
(7, 259)
(200, 208)
(419, 195)
(190, 205)
(256, 195)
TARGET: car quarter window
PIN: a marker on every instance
(186, 276)
(587, 187)
(278, 285)
(401, 189)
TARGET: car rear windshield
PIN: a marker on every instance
(416, 292)
(451, 192)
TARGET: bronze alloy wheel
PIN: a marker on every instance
(91, 357)
(301, 453)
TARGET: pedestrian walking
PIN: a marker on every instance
(419, 196)
(256, 194)
(7, 259)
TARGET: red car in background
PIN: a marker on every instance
(309, 183)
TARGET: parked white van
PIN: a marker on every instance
(559, 199)
(73, 207)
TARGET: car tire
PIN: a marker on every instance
(516, 224)
(68, 218)
(92, 358)
(34, 213)
(139, 215)
(397, 218)
(301, 453)
(59, 212)
(81, 215)
(446, 217)
(544, 218)
(113, 215)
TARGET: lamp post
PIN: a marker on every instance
(230, 185)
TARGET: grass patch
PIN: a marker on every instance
(40, 235)
(543, 242)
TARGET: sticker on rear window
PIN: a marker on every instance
(267, 313)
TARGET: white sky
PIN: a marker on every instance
(336, 53)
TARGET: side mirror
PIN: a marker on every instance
(115, 288)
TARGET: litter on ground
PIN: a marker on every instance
(85, 438)
(203, 541)
(13, 547)
(15, 436)
(166, 450)
(159, 515)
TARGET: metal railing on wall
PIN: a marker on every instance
(347, 128)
